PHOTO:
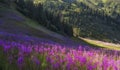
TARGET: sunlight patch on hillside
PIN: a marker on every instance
(102, 44)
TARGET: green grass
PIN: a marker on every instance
(102, 44)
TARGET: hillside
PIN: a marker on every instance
(14, 23)
(101, 28)
(57, 35)
(96, 19)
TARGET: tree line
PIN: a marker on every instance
(51, 20)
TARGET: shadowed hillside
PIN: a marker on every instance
(14, 23)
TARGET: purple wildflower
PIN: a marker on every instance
(36, 61)
(6, 48)
(82, 60)
(20, 61)
(90, 67)
(105, 63)
(48, 59)
(56, 65)
(68, 66)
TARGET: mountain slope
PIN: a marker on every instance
(15, 26)
(14, 23)
(97, 19)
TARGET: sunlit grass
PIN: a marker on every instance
(111, 46)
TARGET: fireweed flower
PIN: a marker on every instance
(36, 48)
(36, 60)
(115, 68)
(48, 59)
(91, 65)
(63, 51)
(118, 63)
(6, 48)
(20, 61)
(61, 57)
(68, 66)
(113, 65)
(25, 50)
(90, 54)
(105, 63)
(82, 60)
(56, 65)
(69, 61)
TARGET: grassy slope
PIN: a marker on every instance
(13, 22)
